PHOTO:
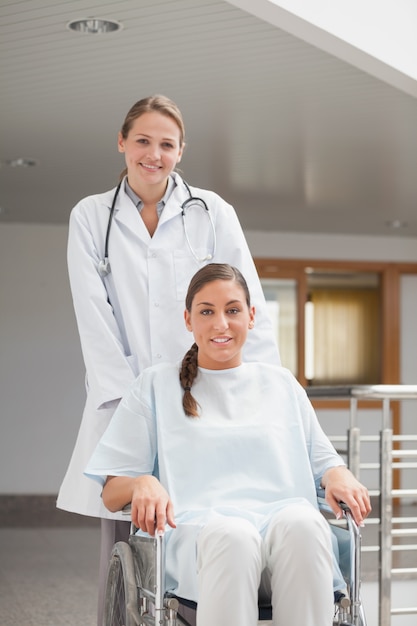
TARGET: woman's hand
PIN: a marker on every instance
(150, 503)
(152, 508)
(341, 486)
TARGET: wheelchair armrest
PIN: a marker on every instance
(127, 509)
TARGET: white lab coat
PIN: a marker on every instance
(134, 317)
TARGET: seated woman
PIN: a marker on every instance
(225, 458)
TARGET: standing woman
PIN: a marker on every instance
(129, 291)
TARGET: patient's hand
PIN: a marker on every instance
(152, 508)
(342, 486)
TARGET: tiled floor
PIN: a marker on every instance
(48, 577)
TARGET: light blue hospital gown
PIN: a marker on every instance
(256, 445)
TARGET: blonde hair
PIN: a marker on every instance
(189, 365)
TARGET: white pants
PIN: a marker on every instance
(291, 565)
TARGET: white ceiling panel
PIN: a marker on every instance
(295, 138)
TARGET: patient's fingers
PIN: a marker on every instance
(152, 508)
(342, 486)
(160, 517)
(141, 520)
(150, 519)
(170, 515)
(358, 503)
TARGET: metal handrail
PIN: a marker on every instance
(365, 392)
(386, 494)
(385, 392)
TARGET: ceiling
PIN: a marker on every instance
(295, 138)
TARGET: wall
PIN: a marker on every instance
(40, 363)
(344, 248)
(41, 368)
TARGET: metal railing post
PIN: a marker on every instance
(353, 412)
(386, 417)
(390, 459)
(385, 528)
(354, 454)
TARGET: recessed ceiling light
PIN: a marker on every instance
(396, 224)
(22, 162)
(94, 26)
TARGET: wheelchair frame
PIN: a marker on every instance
(135, 592)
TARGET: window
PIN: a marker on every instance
(342, 340)
(336, 322)
(281, 300)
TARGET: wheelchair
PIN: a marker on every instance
(135, 594)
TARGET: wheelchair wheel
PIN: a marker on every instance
(121, 600)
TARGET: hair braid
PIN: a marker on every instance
(188, 374)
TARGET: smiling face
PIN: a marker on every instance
(219, 320)
(152, 149)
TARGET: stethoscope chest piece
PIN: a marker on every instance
(103, 267)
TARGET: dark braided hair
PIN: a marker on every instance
(189, 365)
(188, 373)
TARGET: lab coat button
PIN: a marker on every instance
(159, 356)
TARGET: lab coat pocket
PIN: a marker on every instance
(185, 266)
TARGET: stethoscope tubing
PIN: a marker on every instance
(200, 202)
(104, 264)
(113, 204)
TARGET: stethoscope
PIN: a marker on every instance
(104, 265)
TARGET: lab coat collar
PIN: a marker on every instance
(174, 204)
(126, 212)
